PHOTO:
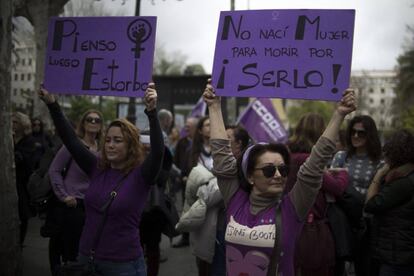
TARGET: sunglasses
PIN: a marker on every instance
(359, 133)
(270, 170)
(93, 120)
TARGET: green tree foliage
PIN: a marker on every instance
(404, 101)
(407, 118)
(80, 104)
(194, 70)
(297, 111)
(168, 63)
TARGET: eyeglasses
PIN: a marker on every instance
(360, 133)
(270, 170)
(93, 120)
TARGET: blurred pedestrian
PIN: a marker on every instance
(25, 161)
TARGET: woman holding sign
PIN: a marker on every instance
(262, 223)
(119, 184)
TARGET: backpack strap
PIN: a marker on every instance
(104, 209)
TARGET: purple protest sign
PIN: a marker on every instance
(261, 121)
(292, 54)
(107, 56)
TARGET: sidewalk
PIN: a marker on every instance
(36, 263)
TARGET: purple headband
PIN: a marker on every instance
(245, 158)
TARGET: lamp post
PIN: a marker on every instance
(231, 102)
(131, 117)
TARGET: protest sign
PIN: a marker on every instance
(107, 56)
(261, 121)
(292, 54)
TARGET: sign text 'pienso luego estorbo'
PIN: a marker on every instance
(100, 55)
(296, 54)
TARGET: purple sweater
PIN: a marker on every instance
(120, 240)
(120, 237)
(76, 181)
(250, 232)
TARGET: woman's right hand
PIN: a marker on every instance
(45, 96)
(209, 95)
(348, 102)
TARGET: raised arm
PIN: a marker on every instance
(224, 162)
(309, 178)
(153, 163)
(83, 157)
(217, 129)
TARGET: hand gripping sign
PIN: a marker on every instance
(107, 56)
(292, 54)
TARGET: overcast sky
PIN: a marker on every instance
(190, 26)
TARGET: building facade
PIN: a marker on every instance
(23, 78)
(376, 95)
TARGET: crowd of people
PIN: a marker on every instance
(248, 208)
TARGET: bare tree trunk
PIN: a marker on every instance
(38, 13)
(10, 252)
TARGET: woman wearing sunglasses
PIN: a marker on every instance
(121, 172)
(252, 189)
(69, 184)
(363, 154)
(362, 158)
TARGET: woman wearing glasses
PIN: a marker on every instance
(69, 184)
(363, 153)
(362, 159)
(120, 179)
(252, 189)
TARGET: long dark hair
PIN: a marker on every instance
(399, 148)
(307, 132)
(373, 143)
(197, 146)
(252, 157)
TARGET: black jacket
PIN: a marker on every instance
(393, 222)
(24, 152)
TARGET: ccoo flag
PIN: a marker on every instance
(261, 121)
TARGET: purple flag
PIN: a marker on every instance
(109, 56)
(261, 121)
(292, 54)
(199, 110)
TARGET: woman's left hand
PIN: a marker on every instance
(150, 97)
(381, 172)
